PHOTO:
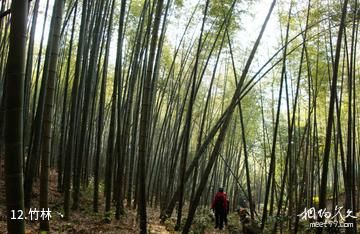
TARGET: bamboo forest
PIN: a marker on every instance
(179, 116)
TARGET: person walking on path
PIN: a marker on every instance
(219, 206)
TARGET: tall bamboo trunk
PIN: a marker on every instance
(14, 98)
(49, 103)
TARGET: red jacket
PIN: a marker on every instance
(220, 199)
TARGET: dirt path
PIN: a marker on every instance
(157, 229)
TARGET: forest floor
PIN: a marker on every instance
(84, 220)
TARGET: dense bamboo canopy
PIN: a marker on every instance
(129, 115)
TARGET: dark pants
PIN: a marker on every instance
(220, 218)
